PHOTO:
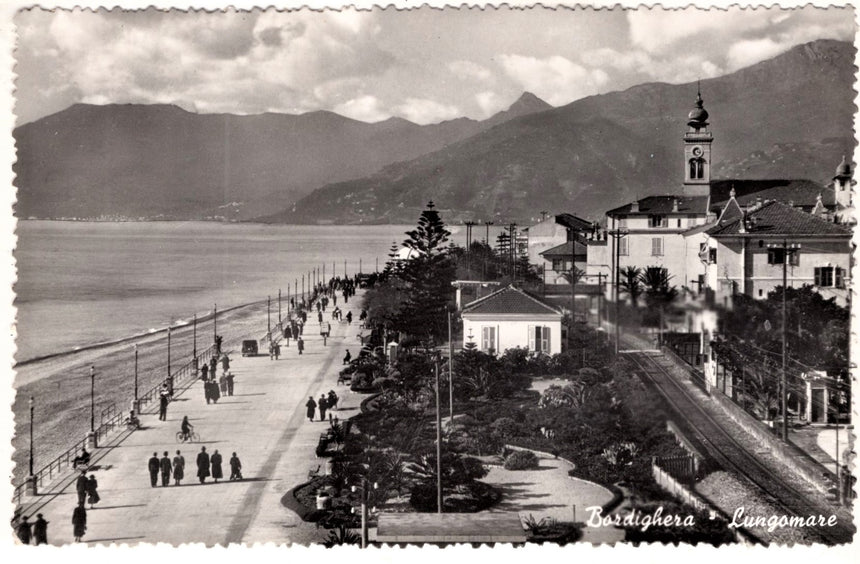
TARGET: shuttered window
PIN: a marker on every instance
(488, 339)
(539, 338)
(656, 246)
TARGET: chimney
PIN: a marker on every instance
(675, 205)
(634, 207)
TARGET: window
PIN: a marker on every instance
(679, 222)
(539, 338)
(697, 169)
(656, 246)
(557, 265)
(622, 246)
(777, 256)
(488, 339)
(656, 221)
(712, 256)
(830, 277)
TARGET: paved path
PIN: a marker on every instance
(264, 422)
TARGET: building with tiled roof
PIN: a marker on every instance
(511, 318)
(799, 192)
(746, 254)
(552, 231)
(560, 260)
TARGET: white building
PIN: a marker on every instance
(511, 318)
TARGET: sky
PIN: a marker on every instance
(425, 65)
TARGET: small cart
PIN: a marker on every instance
(249, 348)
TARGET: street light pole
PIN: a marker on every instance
(450, 373)
(32, 409)
(92, 399)
(787, 251)
(438, 443)
(616, 235)
(136, 400)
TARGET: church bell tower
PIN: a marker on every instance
(697, 151)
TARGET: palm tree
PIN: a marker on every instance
(659, 293)
(630, 282)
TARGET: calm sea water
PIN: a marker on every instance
(84, 283)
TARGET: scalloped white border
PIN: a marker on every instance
(9, 552)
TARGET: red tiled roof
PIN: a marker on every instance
(800, 191)
(665, 205)
(565, 250)
(776, 218)
(510, 300)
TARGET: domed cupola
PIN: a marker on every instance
(698, 117)
(844, 169)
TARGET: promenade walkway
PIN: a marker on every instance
(264, 422)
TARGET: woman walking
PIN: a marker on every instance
(93, 490)
(178, 467)
(312, 407)
(217, 473)
(79, 522)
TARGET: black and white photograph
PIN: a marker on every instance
(543, 276)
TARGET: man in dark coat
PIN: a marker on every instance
(300, 343)
(225, 363)
(81, 486)
(229, 383)
(217, 472)
(323, 405)
(312, 407)
(166, 469)
(235, 468)
(93, 490)
(202, 465)
(154, 466)
(216, 393)
(79, 522)
(162, 406)
(204, 373)
(40, 530)
(213, 367)
(23, 530)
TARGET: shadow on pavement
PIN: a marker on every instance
(120, 506)
(115, 539)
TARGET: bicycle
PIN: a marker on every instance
(192, 437)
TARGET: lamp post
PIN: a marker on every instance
(450, 372)
(788, 250)
(438, 442)
(169, 371)
(31, 479)
(363, 490)
(617, 235)
(487, 238)
(91, 436)
(135, 405)
(194, 343)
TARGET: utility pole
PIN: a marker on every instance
(438, 443)
(93, 400)
(215, 325)
(617, 235)
(450, 372)
(269, 318)
(279, 307)
(787, 251)
(169, 375)
(136, 404)
(193, 347)
(487, 238)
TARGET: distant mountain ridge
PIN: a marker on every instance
(162, 162)
(787, 117)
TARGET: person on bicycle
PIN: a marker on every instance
(187, 428)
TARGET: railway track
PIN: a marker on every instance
(733, 456)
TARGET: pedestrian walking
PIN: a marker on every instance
(323, 405)
(162, 406)
(40, 530)
(202, 465)
(216, 393)
(235, 468)
(93, 496)
(81, 486)
(300, 343)
(204, 372)
(154, 466)
(334, 299)
(79, 522)
(178, 468)
(319, 317)
(225, 363)
(347, 357)
(166, 469)
(277, 350)
(222, 381)
(213, 367)
(217, 473)
(23, 531)
(349, 317)
(312, 407)
(229, 383)
(332, 400)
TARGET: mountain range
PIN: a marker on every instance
(787, 117)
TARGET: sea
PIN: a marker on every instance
(82, 284)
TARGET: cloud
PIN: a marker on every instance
(423, 111)
(470, 71)
(364, 108)
(556, 79)
(489, 102)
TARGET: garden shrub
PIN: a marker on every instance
(505, 427)
(521, 460)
